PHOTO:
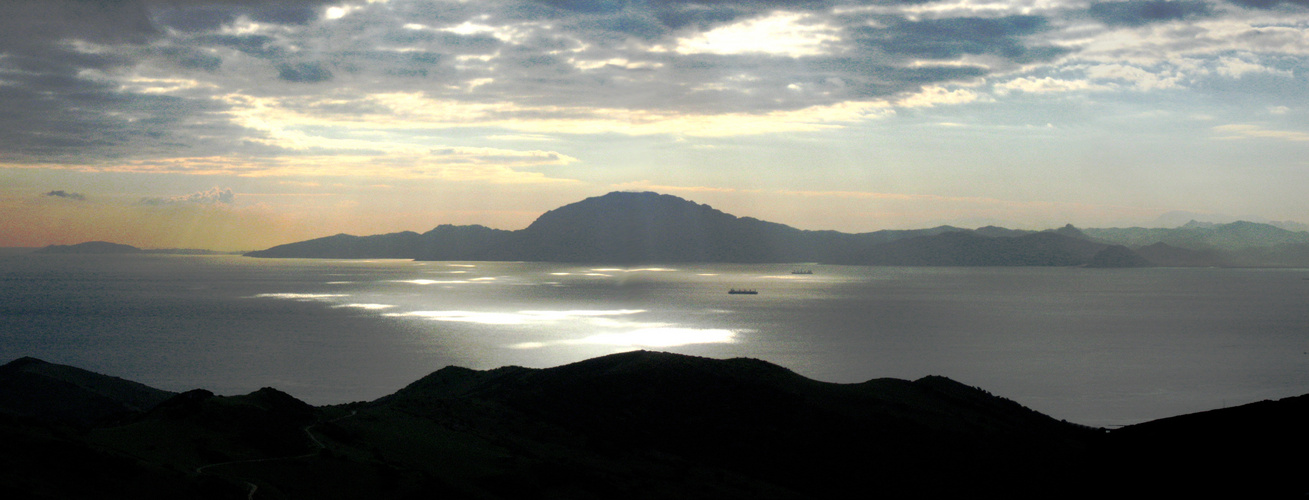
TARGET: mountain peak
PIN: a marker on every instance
(646, 227)
(1071, 231)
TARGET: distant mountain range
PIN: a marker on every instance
(637, 424)
(627, 227)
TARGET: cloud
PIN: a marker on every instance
(261, 46)
(1046, 85)
(211, 197)
(72, 74)
(1249, 131)
(65, 194)
(781, 34)
(197, 16)
(42, 22)
(65, 71)
(1140, 79)
(950, 38)
(1268, 4)
(303, 72)
(1236, 67)
(1142, 12)
(455, 164)
(113, 84)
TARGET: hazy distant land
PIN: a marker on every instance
(632, 425)
(623, 227)
(107, 248)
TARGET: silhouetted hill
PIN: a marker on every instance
(647, 425)
(1249, 451)
(34, 389)
(755, 420)
(90, 247)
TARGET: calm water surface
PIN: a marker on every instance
(1094, 346)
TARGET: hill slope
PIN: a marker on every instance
(646, 425)
(35, 389)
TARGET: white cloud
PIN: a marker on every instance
(1046, 85)
(782, 33)
(934, 96)
(1248, 131)
(212, 196)
(1237, 67)
(1138, 78)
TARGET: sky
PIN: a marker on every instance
(239, 125)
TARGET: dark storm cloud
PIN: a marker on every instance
(192, 58)
(62, 103)
(65, 194)
(65, 118)
(588, 6)
(954, 37)
(253, 45)
(196, 18)
(303, 72)
(1268, 4)
(700, 17)
(1142, 12)
(34, 22)
(649, 19)
(543, 58)
(293, 13)
(208, 15)
(444, 41)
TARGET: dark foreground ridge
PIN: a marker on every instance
(631, 425)
(624, 227)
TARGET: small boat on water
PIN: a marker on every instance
(743, 291)
(802, 271)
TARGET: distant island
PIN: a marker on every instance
(628, 227)
(637, 424)
(107, 248)
(90, 247)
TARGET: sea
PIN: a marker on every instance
(1100, 347)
